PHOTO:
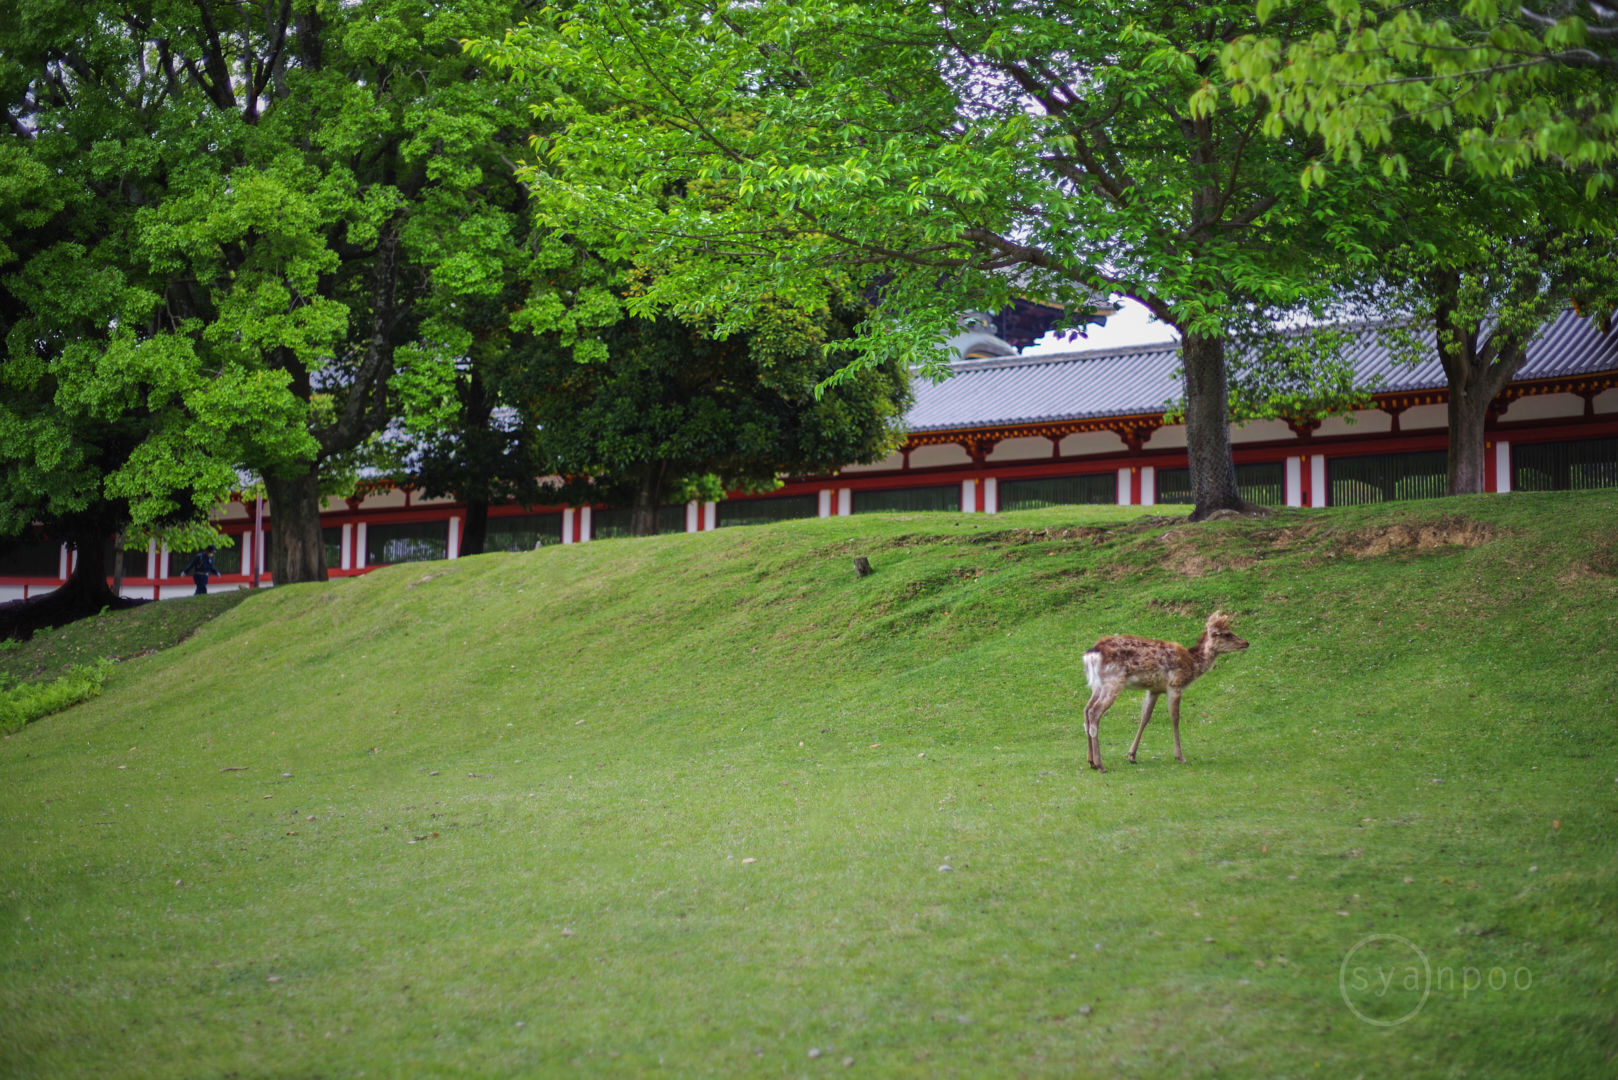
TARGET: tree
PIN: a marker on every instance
(310, 191)
(1479, 257)
(485, 457)
(745, 150)
(1518, 86)
(667, 407)
(107, 428)
(1479, 268)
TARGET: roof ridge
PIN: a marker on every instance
(1029, 360)
(988, 363)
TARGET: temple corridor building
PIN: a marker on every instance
(1010, 432)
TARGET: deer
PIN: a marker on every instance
(1122, 662)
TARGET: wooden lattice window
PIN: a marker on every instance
(1582, 465)
(1355, 481)
(1263, 483)
(1088, 490)
(908, 500)
(764, 511)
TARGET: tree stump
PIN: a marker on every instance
(862, 566)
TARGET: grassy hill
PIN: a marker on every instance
(681, 806)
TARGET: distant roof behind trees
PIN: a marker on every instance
(1010, 390)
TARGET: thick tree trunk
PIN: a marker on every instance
(1477, 371)
(648, 500)
(83, 594)
(1207, 426)
(86, 591)
(297, 552)
(477, 527)
(1467, 415)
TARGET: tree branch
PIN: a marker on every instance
(350, 427)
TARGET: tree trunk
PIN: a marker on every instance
(1467, 415)
(1476, 371)
(118, 563)
(1469, 400)
(297, 552)
(1207, 426)
(85, 591)
(477, 527)
(648, 500)
(83, 594)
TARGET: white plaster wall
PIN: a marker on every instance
(234, 512)
(1021, 449)
(925, 457)
(894, 460)
(1545, 407)
(418, 500)
(391, 497)
(1092, 442)
(9, 593)
(1607, 401)
(1424, 416)
(1260, 431)
(1167, 438)
(1366, 422)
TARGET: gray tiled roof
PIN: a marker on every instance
(1009, 390)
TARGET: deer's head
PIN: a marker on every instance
(1219, 636)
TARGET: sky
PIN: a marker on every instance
(1133, 325)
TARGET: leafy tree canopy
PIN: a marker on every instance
(288, 209)
(1478, 267)
(947, 158)
(1520, 85)
(669, 411)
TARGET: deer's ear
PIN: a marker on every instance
(1218, 620)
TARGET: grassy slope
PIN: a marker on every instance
(120, 635)
(592, 739)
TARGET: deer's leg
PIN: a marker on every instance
(1145, 718)
(1089, 726)
(1100, 702)
(1174, 712)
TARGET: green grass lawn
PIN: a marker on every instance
(118, 635)
(679, 806)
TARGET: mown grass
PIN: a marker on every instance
(114, 635)
(495, 817)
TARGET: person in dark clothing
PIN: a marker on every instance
(200, 567)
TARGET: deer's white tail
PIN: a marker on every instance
(1092, 669)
